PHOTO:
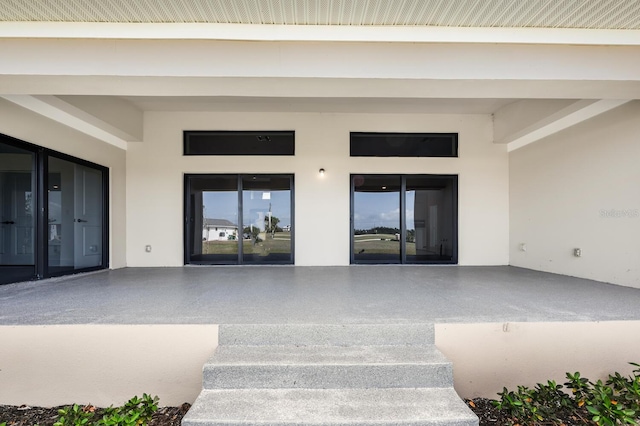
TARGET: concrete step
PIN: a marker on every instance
(327, 367)
(326, 334)
(329, 407)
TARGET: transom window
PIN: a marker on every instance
(239, 142)
(404, 144)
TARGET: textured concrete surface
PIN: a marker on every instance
(327, 367)
(326, 334)
(328, 384)
(328, 376)
(336, 295)
(330, 355)
(330, 407)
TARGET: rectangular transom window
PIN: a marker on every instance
(239, 143)
(404, 144)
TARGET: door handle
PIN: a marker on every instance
(8, 222)
(81, 221)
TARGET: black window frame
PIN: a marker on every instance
(240, 176)
(403, 225)
(244, 143)
(41, 249)
(374, 144)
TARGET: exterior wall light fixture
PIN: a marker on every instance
(321, 172)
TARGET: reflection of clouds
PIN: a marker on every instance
(392, 215)
(390, 219)
(409, 215)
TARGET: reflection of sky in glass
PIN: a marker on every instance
(221, 205)
(410, 202)
(254, 204)
(224, 205)
(373, 209)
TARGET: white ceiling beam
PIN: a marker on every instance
(318, 87)
(354, 61)
(569, 116)
(64, 113)
(514, 119)
(121, 117)
(332, 33)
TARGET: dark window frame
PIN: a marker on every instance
(240, 261)
(403, 225)
(245, 143)
(373, 144)
(40, 166)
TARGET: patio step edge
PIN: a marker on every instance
(330, 407)
(267, 367)
(326, 334)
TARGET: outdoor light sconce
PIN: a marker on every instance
(321, 172)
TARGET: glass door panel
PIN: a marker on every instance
(429, 215)
(213, 221)
(17, 214)
(376, 219)
(75, 221)
(425, 231)
(267, 219)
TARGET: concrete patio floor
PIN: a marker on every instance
(295, 294)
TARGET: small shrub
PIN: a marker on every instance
(135, 412)
(530, 406)
(603, 405)
(73, 415)
(614, 402)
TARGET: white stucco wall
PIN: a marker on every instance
(579, 189)
(30, 127)
(155, 170)
(62, 364)
(525, 353)
(49, 365)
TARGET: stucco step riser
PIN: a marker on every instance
(331, 335)
(327, 376)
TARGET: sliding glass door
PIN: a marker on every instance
(53, 213)
(267, 219)
(75, 221)
(17, 214)
(213, 219)
(376, 224)
(404, 219)
(430, 219)
(238, 219)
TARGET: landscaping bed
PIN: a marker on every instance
(172, 416)
(579, 401)
(490, 415)
(30, 416)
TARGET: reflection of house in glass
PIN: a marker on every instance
(219, 230)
